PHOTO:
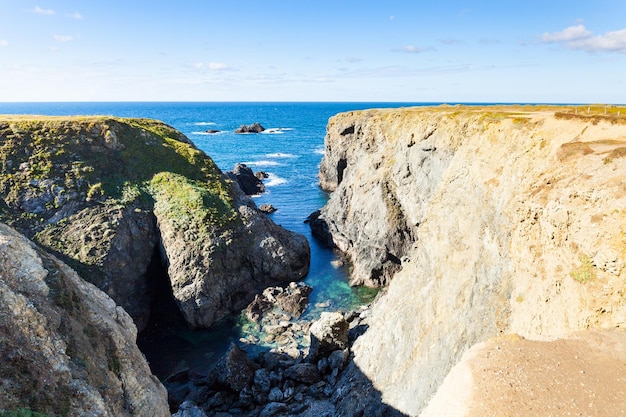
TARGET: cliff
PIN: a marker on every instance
(115, 197)
(67, 348)
(482, 221)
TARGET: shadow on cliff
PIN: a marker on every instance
(355, 394)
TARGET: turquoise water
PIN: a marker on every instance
(289, 151)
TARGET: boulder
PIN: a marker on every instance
(245, 177)
(328, 334)
(267, 208)
(306, 373)
(294, 299)
(211, 131)
(234, 369)
(189, 409)
(253, 128)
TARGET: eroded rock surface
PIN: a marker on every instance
(483, 221)
(67, 348)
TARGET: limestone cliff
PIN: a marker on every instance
(112, 196)
(66, 348)
(489, 220)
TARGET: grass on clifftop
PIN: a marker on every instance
(48, 162)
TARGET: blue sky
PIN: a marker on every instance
(204, 50)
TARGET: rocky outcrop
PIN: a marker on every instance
(110, 195)
(66, 348)
(489, 220)
(218, 268)
(253, 128)
(249, 182)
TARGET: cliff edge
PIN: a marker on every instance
(482, 221)
(115, 197)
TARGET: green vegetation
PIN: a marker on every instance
(585, 272)
(186, 201)
(48, 161)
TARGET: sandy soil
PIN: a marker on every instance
(584, 375)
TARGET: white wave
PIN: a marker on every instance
(273, 179)
(276, 130)
(262, 163)
(207, 133)
(204, 124)
(282, 155)
(319, 151)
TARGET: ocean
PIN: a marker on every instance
(289, 151)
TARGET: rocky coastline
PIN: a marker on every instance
(122, 202)
(485, 227)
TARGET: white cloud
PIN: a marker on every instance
(4, 42)
(40, 10)
(571, 33)
(74, 15)
(579, 38)
(412, 49)
(212, 66)
(63, 38)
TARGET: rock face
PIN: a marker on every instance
(248, 181)
(110, 196)
(490, 220)
(67, 348)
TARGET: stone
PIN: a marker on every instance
(328, 334)
(262, 380)
(189, 409)
(253, 128)
(211, 131)
(257, 307)
(272, 409)
(319, 229)
(275, 395)
(338, 359)
(306, 373)
(234, 369)
(249, 183)
(267, 208)
(295, 299)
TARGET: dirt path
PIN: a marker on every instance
(584, 375)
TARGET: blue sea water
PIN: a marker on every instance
(290, 151)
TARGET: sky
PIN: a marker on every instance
(548, 51)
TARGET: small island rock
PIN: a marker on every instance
(253, 128)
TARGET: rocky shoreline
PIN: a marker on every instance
(297, 372)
